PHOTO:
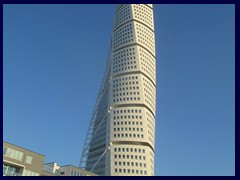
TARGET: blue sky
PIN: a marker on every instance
(54, 60)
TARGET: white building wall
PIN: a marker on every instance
(133, 91)
(128, 99)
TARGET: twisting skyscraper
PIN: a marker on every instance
(120, 137)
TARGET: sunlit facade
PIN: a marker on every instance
(120, 138)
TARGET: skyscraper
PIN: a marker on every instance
(120, 137)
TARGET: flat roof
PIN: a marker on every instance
(78, 168)
(23, 148)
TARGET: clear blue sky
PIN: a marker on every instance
(54, 60)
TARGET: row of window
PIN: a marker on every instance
(100, 166)
(128, 135)
(150, 72)
(95, 155)
(145, 55)
(125, 114)
(133, 171)
(125, 60)
(125, 68)
(125, 83)
(127, 117)
(123, 14)
(145, 37)
(151, 118)
(123, 88)
(149, 85)
(125, 65)
(126, 99)
(123, 53)
(100, 137)
(150, 100)
(135, 150)
(123, 35)
(135, 157)
(151, 126)
(144, 14)
(149, 45)
(14, 154)
(151, 121)
(127, 111)
(150, 104)
(128, 129)
(136, 164)
(147, 63)
(9, 170)
(96, 147)
(127, 122)
(76, 173)
(149, 93)
(125, 78)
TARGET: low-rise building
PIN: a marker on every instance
(67, 170)
(18, 161)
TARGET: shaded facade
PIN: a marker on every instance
(120, 138)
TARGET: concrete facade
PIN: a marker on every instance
(123, 134)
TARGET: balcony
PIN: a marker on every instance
(10, 173)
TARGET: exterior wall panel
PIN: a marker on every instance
(130, 126)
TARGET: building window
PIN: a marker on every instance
(30, 173)
(4, 150)
(12, 153)
(18, 155)
(29, 159)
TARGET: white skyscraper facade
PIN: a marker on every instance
(121, 134)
